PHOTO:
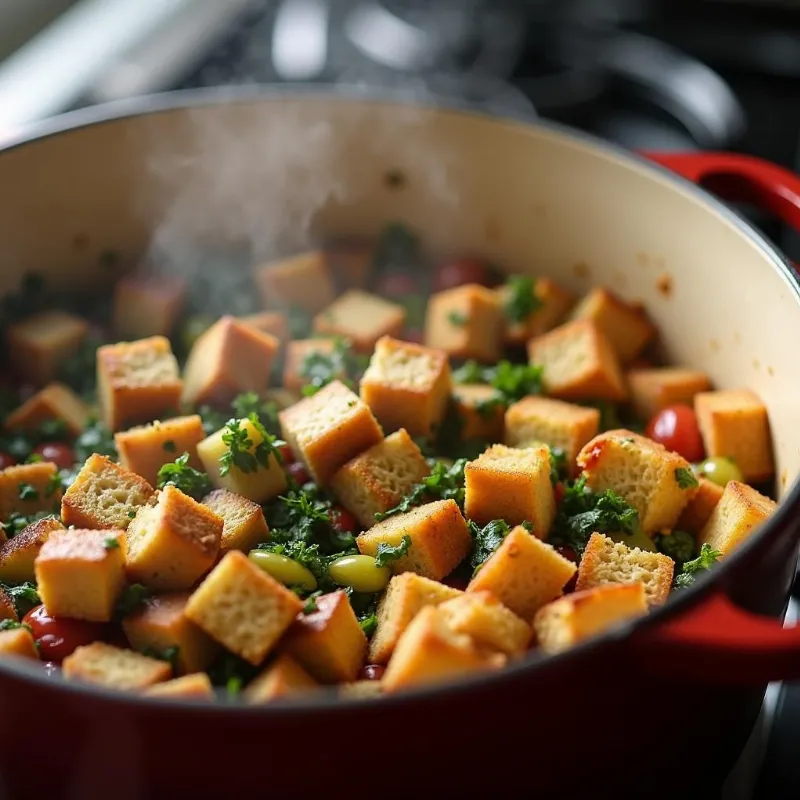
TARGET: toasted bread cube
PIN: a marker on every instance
(734, 424)
(698, 509)
(146, 305)
(466, 322)
(625, 326)
(554, 302)
(405, 596)
(430, 652)
(350, 261)
(541, 420)
(243, 608)
(578, 616)
(329, 428)
(439, 535)
(7, 608)
(481, 410)
(328, 643)
(284, 677)
(361, 690)
(80, 573)
(656, 388)
(606, 561)
(261, 485)
(282, 398)
(18, 642)
(298, 351)
(362, 318)
(244, 523)
(146, 448)
(39, 344)
(303, 281)
(739, 513)
(18, 554)
(137, 381)
(511, 484)
(110, 666)
(161, 623)
(104, 495)
(578, 363)
(188, 687)
(380, 477)
(482, 617)
(407, 386)
(55, 401)
(524, 573)
(174, 542)
(29, 489)
(655, 481)
(274, 323)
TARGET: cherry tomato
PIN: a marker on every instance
(59, 453)
(458, 271)
(397, 284)
(59, 637)
(6, 460)
(558, 491)
(287, 454)
(342, 520)
(676, 428)
(297, 472)
(372, 672)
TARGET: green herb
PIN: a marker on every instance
(169, 446)
(231, 672)
(488, 407)
(12, 625)
(512, 381)
(184, 477)
(132, 598)
(457, 318)
(444, 483)
(387, 553)
(111, 543)
(311, 602)
(686, 478)
(78, 370)
(309, 556)
(707, 558)
(240, 445)
(95, 438)
(680, 546)
(486, 540)
(364, 606)
(522, 299)
(52, 430)
(212, 418)
(54, 484)
(131, 514)
(558, 464)
(319, 368)
(369, 624)
(248, 403)
(234, 686)
(26, 491)
(17, 522)
(168, 654)
(24, 596)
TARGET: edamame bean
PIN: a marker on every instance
(360, 572)
(284, 569)
(720, 470)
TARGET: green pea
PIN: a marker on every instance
(284, 569)
(192, 328)
(362, 573)
(720, 470)
(638, 539)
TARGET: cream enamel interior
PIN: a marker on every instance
(270, 174)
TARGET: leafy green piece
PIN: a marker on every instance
(78, 370)
(213, 419)
(457, 318)
(680, 546)
(231, 672)
(488, 408)
(387, 553)
(320, 368)
(364, 606)
(168, 654)
(311, 602)
(131, 599)
(522, 299)
(558, 464)
(55, 483)
(687, 576)
(26, 491)
(248, 403)
(12, 625)
(486, 540)
(369, 624)
(686, 478)
(184, 477)
(23, 595)
(111, 543)
(17, 522)
(512, 381)
(239, 445)
(309, 556)
(95, 438)
(444, 483)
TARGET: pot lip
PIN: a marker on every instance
(782, 522)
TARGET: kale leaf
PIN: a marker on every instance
(184, 477)
(387, 553)
(444, 483)
(687, 576)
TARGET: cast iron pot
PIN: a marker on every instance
(659, 708)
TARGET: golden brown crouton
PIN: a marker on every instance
(54, 402)
(146, 305)
(187, 687)
(734, 424)
(553, 304)
(511, 484)
(114, 667)
(480, 409)
(439, 536)
(329, 428)
(7, 608)
(578, 616)
(244, 524)
(104, 495)
(29, 489)
(303, 281)
(350, 262)
(18, 554)
(578, 363)
(523, 573)
(407, 386)
(699, 508)
(606, 561)
(380, 477)
(146, 448)
(137, 382)
(295, 365)
(243, 608)
(18, 642)
(655, 481)
(656, 388)
(174, 542)
(284, 677)
(361, 318)
(739, 513)
(273, 322)
(466, 322)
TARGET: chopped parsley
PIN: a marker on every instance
(27, 491)
(184, 477)
(54, 484)
(24, 596)
(231, 672)
(457, 318)
(12, 625)
(17, 522)
(95, 438)
(132, 598)
(522, 299)
(680, 546)
(364, 607)
(248, 403)
(168, 654)
(512, 381)
(169, 446)
(311, 602)
(369, 624)
(687, 576)
(319, 368)
(490, 406)
(444, 483)
(486, 540)
(686, 478)
(387, 553)
(111, 543)
(241, 454)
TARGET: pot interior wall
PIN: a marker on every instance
(271, 174)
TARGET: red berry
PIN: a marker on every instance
(59, 453)
(298, 473)
(397, 284)
(458, 271)
(676, 428)
(6, 460)
(342, 520)
(287, 454)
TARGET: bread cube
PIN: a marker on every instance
(362, 318)
(554, 304)
(7, 608)
(161, 623)
(80, 573)
(329, 428)
(739, 513)
(259, 485)
(350, 262)
(244, 525)
(579, 616)
(282, 398)
(243, 608)
(439, 534)
(655, 481)
(39, 344)
(361, 690)
(699, 508)
(274, 323)
(578, 363)
(146, 448)
(328, 643)
(172, 543)
(624, 325)
(137, 382)
(55, 401)
(481, 410)
(146, 305)
(188, 687)
(295, 370)
(29, 489)
(18, 554)
(482, 617)
(466, 322)
(511, 484)
(110, 666)
(430, 652)
(734, 424)
(104, 495)
(405, 596)
(18, 642)
(284, 677)
(656, 388)
(303, 281)
(407, 386)
(606, 561)
(380, 477)
(541, 420)
(524, 573)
